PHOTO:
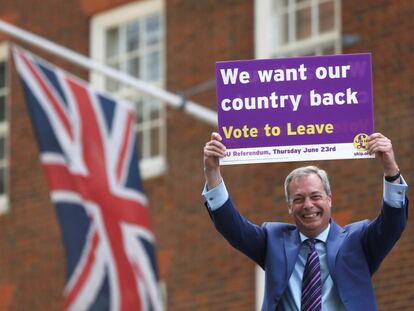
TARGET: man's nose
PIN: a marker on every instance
(308, 202)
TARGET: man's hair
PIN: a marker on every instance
(305, 171)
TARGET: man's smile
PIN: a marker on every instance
(312, 215)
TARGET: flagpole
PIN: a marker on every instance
(200, 112)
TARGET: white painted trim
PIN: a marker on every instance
(4, 130)
(127, 12)
(4, 50)
(262, 28)
(153, 167)
(260, 286)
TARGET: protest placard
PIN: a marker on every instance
(295, 109)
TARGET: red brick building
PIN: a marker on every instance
(175, 44)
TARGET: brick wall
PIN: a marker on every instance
(201, 271)
(383, 27)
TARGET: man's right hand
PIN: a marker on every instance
(214, 150)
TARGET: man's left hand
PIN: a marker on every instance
(381, 146)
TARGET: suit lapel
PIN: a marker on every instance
(292, 248)
(336, 236)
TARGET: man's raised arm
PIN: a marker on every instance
(382, 147)
(213, 151)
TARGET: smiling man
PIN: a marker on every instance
(308, 194)
(314, 264)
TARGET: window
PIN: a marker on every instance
(297, 27)
(131, 38)
(4, 130)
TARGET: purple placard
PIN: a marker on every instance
(295, 109)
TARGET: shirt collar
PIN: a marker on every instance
(323, 236)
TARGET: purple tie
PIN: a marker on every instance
(311, 282)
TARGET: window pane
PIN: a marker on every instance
(2, 74)
(153, 29)
(140, 144)
(155, 141)
(281, 28)
(280, 4)
(153, 66)
(139, 106)
(2, 148)
(155, 110)
(303, 23)
(132, 34)
(2, 108)
(110, 84)
(133, 67)
(112, 42)
(326, 16)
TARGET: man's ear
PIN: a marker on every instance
(330, 200)
(290, 209)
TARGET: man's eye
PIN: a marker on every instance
(316, 197)
(297, 200)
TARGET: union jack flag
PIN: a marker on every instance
(88, 150)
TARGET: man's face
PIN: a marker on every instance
(309, 205)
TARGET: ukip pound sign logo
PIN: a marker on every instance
(360, 142)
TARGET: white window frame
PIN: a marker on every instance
(266, 36)
(4, 131)
(149, 166)
(260, 286)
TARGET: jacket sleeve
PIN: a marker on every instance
(243, 235)
(382, 233)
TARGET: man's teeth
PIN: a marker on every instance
(310, 215)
